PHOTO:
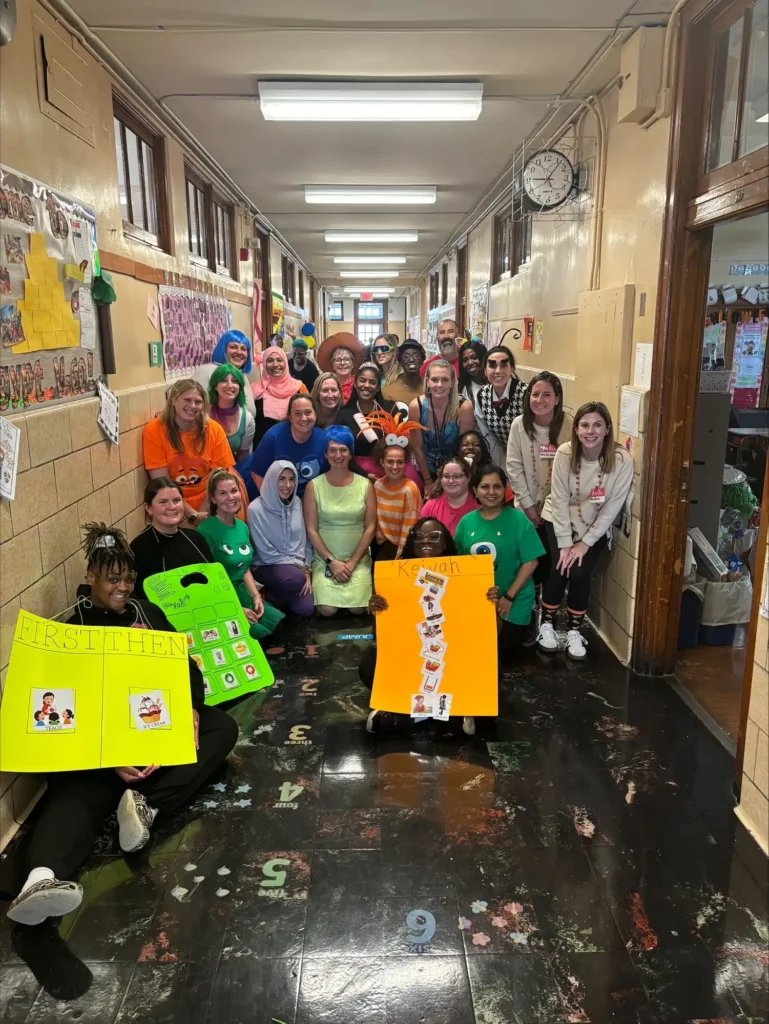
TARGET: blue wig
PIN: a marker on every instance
(219, 354)
(336, 434)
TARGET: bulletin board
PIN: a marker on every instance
(82, 697)
(478, 315)
(192, 323)
(278, 314)
(438, 637)
(49, 331)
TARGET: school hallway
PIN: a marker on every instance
(584, 865)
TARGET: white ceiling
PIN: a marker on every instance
(205, 61)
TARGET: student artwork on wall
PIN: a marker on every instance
(478, 311)
(427, 666)
(192, 324)
(202, 604)
(81, 697)
(48, 325)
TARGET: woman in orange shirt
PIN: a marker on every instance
(185, 444)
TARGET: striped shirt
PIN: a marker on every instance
(397, 509)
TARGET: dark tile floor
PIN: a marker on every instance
(578, 860)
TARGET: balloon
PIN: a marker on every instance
(310, 342)
(308, 330)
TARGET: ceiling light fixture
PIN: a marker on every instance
(371, 260)
(359, 289)
(370, 274)
(385, 237)
(372, 195)
(370, 101)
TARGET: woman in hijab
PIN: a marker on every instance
(282, 553)
(234, 348)
(272, 391)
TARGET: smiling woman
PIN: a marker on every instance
(273, 391)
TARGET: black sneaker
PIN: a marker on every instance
(44, 899)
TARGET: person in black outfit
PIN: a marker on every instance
(164, 544)
(78, 803)
(300, 367)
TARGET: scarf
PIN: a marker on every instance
(499, 415)
(276, 391)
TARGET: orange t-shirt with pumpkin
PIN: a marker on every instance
(188, 468)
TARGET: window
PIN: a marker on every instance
(512, 241)
(335, 311)
(461, 304)
(522, 228)
(435, 300)
(739, 104)
(210, 226)
(370, 320)
(301, 288)
(139, 159)
(289, 279)
(445, 283)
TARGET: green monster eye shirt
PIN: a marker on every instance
(511, 540)
(230, 545)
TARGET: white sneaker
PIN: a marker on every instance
(547, 639)
(468, 725)
(134, 818)
(576, 645)
(44, 899)
(370, 721)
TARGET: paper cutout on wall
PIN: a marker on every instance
(200, 601)
(67, 701)
(192, 324)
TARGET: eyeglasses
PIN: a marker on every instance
(453, 479)
(494, 365)
(433, 538)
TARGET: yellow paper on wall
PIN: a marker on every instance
(35, 341)
(41, 320)
(74, 335)
(45, 296)
(80, 697)
(37, 244)
(57, 319)
(20, 349)
(31, 295)
(62, 339)
(35, 269)
(49, 339)
(437, 603)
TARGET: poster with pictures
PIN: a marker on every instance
(479, 311)
(192, 324)
(52, 710)
(48, 324)
(9, 458)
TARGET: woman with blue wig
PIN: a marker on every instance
(234, 348)
(340, 516)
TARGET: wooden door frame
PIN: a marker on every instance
(681, 302)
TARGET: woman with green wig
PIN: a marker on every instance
(227, 395)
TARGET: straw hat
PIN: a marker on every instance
(341, 340)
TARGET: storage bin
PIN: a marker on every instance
(689, 625)
(718, 636)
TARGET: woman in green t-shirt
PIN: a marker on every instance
(230, 545)
(507, 535)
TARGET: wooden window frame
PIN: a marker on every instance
(212, 200)
(300, 287)
(335, 319)
(288, 273)
(445, 283)
(357, 321)
(127, 118)
(434, 290)
(513, 225)
(460, 310)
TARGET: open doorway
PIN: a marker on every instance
(729, 467)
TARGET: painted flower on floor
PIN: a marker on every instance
(465, 924)
(481, 939)
(499, 922)
(479, 906)
(519, 938)
(513, 909)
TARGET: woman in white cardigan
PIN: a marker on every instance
(591, 483)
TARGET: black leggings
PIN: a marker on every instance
(578, 580)
(77, 804)
(544, 562)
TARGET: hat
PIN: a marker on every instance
(298, 343)
(340, 340)
(410, 343)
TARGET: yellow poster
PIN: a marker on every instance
(437, 640)
(79, 697)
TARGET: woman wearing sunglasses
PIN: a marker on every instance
(383, 353)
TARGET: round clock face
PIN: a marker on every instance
(548, 179)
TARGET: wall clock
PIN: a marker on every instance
(548, 180)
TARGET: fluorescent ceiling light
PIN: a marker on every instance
(764, 119)
(381, 195)
(358, 289)
(365, 237)
(371, 260)
(372, 274)
(370, 101)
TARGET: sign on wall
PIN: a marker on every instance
(478, 311)
(192, 324)
(48, 325)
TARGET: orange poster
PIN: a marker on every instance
(437, 641)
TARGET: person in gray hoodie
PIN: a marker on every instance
(282, 553)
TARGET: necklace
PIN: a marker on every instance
(439, 430)
(535, 467)
(579, 496)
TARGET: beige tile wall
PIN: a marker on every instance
(753, 810)
(68, 475)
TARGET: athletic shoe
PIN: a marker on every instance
(134, 818)
(547, 639)
(371, 724)
(468, 725)
(532, 631)
(576, 645)
(44, 899)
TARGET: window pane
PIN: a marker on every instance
(138, 216)
(120, 170)
(723, 109)
(149, 188)
(754, 133)
(370, 311)
(200, 203)
(366, 332)
(192, 217)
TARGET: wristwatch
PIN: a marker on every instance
(508, 598)
(328, 562)
(192, 517)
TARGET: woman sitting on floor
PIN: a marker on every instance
(230, 545)
(78, 803)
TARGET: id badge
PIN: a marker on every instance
(598, 495)
(547, 451)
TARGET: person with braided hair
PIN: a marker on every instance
(38, 875)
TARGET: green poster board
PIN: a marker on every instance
(200, 601)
